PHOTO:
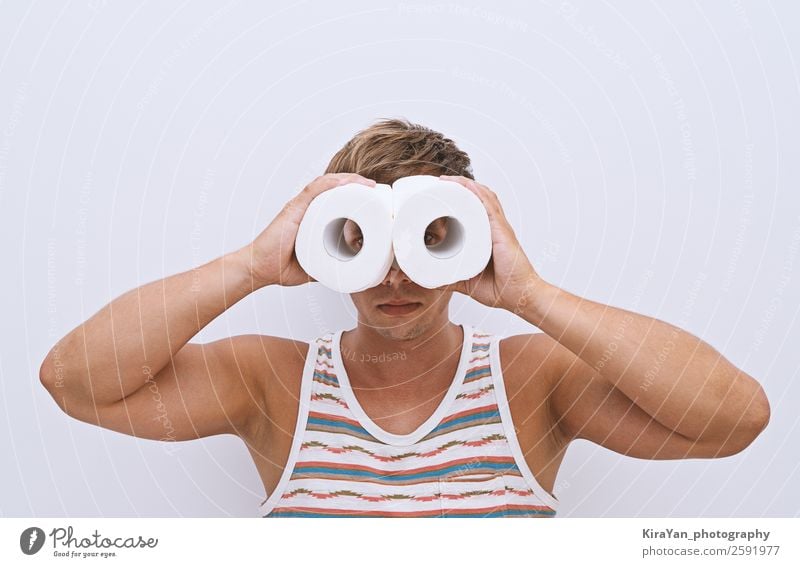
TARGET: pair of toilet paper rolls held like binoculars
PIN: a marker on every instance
(393, 222)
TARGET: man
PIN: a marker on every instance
(407, 414)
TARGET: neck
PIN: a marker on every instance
(380, 360)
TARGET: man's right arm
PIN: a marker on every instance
(130, 367)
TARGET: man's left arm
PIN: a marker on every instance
(674, 377)
(629, 382)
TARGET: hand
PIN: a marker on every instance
(509, 280)
(270, 258)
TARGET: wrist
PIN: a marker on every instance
(534, 300)
(243, 266)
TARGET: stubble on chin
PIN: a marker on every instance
(407, 332)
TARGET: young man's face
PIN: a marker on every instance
(416, 309)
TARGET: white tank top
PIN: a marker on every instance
(463, 461)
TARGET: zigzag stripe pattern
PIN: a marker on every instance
(398, 457)
(322, 495)
(475, 394)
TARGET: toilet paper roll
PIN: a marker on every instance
(320, 245)
(393, 221)
(466, 247)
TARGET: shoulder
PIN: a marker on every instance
(523, 355)
(532, 354)
(529, 372)
(274, 366)
(264, 356)
(279, 358)
(530, 367)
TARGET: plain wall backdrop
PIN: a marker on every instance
(647, 155)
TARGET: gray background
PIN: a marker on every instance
(646, 154)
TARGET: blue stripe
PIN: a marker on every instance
(466, 418)
(501, 514)
(496, 514)
(486, 371)
(326, 377)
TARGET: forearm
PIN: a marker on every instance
(675, 377)
(116, 351)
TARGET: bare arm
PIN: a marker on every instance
(131, 363)
(135, 348)
(111, 355)
(642, 386)
(629, 382)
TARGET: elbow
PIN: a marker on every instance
(51, 371)
(750, 426)
(48, 373)
(764, 411)
(757, 418)
(52, 378)
(760, 415)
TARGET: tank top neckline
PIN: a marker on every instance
(425, 427)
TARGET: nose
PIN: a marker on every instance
(395, 275)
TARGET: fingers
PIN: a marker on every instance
(486, 195)
(331, 180)
(299, 203)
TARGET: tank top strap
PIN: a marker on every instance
(509, 428)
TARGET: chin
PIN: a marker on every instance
(400, 330)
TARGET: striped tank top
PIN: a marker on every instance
(464, 461)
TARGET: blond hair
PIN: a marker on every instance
(393, 147)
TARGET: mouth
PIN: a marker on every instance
(399, 307)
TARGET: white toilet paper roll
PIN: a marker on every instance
(393, 221)
(320, 246)
(466, 248)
